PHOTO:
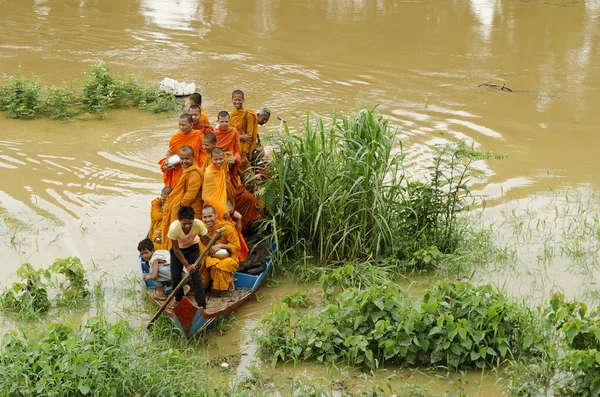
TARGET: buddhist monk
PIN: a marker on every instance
(219, 269)
(248, 205)
(228, 139)
(186, 136)
(214, 188)
(156, 215)
(185, 193)
(194, 111)
(196, 99)
(185, 233)
(236, 220)
(246, 122)
(209, 142)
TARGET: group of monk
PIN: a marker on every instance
(209, 185)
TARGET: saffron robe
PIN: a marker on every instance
(214, 189)
(231, 189)
(200, 156)
(243, 254)
(251, 128)
(221, 271)
(203, 118)
(248, 205)
(185, 193)
(229, 141)
(179, 140)
(156, 213)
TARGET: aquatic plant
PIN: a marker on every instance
(340, 193)
(75, 285)
(29, 297)
(456, 325)
(101, 90)
(297, 299)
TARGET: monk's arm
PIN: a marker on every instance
(180, 256)
(233, 241)
(193, 186)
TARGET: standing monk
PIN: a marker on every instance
(185, 193)
(228, 139)
(246, 122)
(220, 268)
(186, 136)
(156, 215)
(196, 99)
(197, 125)
(214, 188)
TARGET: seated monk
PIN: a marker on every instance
(186, 136)
(214, 187)
(236, 220)
(216, 268)
(194, 111)
(185, 193)
(248, 205)
(246, 122)
(196, 99)
(156, 215)
(228, 139)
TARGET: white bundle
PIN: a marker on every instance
(175, 87)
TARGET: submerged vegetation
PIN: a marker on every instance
(102, 89)
(341, 193)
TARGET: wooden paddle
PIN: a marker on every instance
(187, 276)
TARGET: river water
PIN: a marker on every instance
(83, 188)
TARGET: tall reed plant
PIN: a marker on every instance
(339, 192)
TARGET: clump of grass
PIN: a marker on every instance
(340, 193)
(102, 90)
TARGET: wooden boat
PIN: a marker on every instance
(191, 319)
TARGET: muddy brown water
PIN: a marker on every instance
(83, 188)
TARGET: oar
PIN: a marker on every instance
(281, 123)
(187, 277)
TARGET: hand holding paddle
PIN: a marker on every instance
(187, 276)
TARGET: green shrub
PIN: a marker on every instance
(20, 97)
(61, 103)
(297, 299)
(457, 325)
(75, 285)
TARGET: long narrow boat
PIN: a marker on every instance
(191, 319)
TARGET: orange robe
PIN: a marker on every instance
(201, 155)
(231, 189)
(156, 213)
(179, 140)
(251, 128)
(214, 189)
(221, 271)
(243, 254)
(229, 141)
(203, 118)
(248, 205)
(185, 193)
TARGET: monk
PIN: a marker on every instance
(248, 205)
(228, 139)
(236, 220)
(156, 214)
(209, 142)
(246, 122)
(185, 193)
(216, 268)
(194, 111)
(186, 136)
(214, 188)
(196, 99)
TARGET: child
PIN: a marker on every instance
(214, 187)
(228, 139)
(156, 215)
(159, 263)
(196, 99)
(184, 234)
